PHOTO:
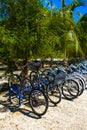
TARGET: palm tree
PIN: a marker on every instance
(82, 24)
(75, 4)
(67, 13)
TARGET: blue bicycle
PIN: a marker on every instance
(20, 89)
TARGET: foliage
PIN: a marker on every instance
(28, 30)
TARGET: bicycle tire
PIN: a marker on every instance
(45, 71)
(14, 90)
(32, 75)
(81, 83)
(54, 93)
(70, 89)
(38, 102)
(82, 78)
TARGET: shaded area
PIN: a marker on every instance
(6, 106)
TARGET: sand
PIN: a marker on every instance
(67, 115)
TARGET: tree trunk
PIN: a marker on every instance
(25, 68)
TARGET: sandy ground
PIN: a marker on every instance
(67, 115)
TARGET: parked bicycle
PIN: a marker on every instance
(21, 89)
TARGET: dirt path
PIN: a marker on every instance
(67, 115)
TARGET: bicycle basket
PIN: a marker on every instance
(34, 65)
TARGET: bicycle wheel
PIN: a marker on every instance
(54, 93)
(14, 90)
(33, 75)
(85, 76)
(38, 102)
(81, 84)
(45, 72)
(70, 89)
(82, 79)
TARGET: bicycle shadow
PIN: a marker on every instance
(6, 106)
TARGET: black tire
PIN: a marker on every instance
(84, 81)
(70, 89)
(38, 102)
(14, 90)
(14, 79)
(45, 72)
(54, 93)
(81, 84)
(33, 75)
(81, 77)
(85, 76)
